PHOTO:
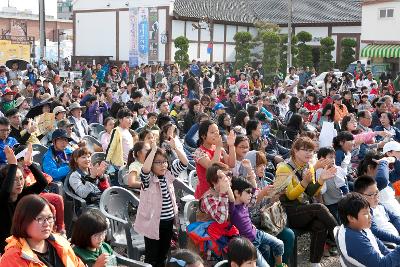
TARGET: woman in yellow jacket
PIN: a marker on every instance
(297, 178)
(32, 243)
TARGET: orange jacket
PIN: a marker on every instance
(18, 253)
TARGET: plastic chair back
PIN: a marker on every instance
(96, 129)
(38, 158)
(193, 180)
(92, 144)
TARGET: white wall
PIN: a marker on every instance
(124, 35)
(346, 29)
(230, 53)
(218, 52)
(219, 30)
(91, 42)
(230, 33)
(317, 33)
(178, 29)
(102, 4)
(374, 28)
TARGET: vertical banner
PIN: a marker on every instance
(153, 35)
(143, 35)
(133, 37)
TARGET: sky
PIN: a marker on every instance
(50, 5)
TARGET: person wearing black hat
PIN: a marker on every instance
(56, 159)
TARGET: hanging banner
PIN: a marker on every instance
(153, 35)
(143, 35)
(133, 37)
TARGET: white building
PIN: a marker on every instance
(380, 36)
(101, 27)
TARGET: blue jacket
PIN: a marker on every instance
(383, 235)
(55, 166)
(380, 138)
(192, 136)
(11, 142)
(359, 248)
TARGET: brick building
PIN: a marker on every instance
(24, 23)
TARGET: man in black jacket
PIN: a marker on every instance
(16, 127)
(232, 106)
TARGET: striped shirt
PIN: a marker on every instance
(167, 208)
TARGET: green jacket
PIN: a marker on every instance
(89, 257)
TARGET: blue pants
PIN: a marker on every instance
(264, 240)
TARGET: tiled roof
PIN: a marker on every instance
(274, 11)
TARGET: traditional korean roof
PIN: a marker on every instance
(273, 11)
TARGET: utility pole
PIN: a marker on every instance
(42, 29)
(289, 47)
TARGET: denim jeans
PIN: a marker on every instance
(263, 240)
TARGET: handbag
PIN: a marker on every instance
(273, 218)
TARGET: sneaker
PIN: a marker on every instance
(333, 251)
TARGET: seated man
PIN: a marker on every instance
(385, 224)
(56, 159)
(358, 246)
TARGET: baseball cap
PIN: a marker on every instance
(218, 106)
(391, 146)
(60, 133)
(9, 91)
(336, 97)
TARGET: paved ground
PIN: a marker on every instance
(304, 254)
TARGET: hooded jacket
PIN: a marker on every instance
(18, 253)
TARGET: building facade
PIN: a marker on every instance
(380, 36)
(107, 22)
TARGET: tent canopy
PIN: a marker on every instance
(384, 51)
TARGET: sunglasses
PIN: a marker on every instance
(249, 191)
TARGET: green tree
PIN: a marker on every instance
(348, 52)
(283, 54)
(327, 46)
(243, 46)
(181, 55)
(304, 56)
(271, 54)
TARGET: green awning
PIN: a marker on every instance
(385, 51)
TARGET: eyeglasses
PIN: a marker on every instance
(5, 130)
(100, 235)
(372, 194)
(41, 220)
(249, 191)
(307, 150)
(164, 162)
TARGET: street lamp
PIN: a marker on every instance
(289, 48)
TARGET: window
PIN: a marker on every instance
(386, 13)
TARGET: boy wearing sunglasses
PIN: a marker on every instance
(244, 191)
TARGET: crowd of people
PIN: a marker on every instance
(273, 159)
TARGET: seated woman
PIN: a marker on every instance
(297, 178)
(136, 158)
(386, 120)
(13, 189)
(87, 180)
(109, 124)
(89, 242)
(210, 151)
(32, 242)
